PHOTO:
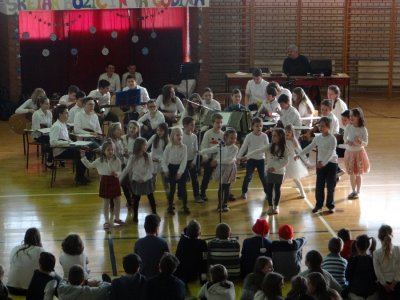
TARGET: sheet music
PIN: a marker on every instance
(84, 135)
(44, 130)
(80, 143)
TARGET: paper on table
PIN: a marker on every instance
(44, 130)
(240, 73)
(84, 135)
(80, 143)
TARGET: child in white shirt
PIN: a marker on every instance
(326, 165)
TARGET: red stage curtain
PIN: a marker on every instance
(72, 28)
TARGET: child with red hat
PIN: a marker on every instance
(253, 247)
(287, 253)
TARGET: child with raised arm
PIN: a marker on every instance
(254, 140)
(140, 170)
(277, 159)
(174, 167)
(225, 172)
(326, 165)
(355, 157)
(109, 167)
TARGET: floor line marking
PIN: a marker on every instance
(326, 224)
(112, 255)
(161, 191)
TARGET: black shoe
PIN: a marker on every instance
(62, 164)
(231, 197)
(170, 211)
(186, 210)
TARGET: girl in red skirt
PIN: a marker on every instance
(109, 167)
(141, 179)
(355, 157)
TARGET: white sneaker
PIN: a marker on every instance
(270, 210)
(244, 196)
(276, 210)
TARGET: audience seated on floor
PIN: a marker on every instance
(253, 281)
(165, 285)
(225, 250)
(287, 253)
(77, 288)
(151, 247)
(313, 263)
(219, 287)
(72, 247)
(44, 281)
(192, 254)
(254, 247)
(132, 283)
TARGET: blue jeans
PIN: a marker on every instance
(326, 176)
(250, 166)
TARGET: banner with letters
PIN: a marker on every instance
(11, 7)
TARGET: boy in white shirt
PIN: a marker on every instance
(254, 140)
(132, 71)
(77, 107)
(326, 165)
(111, 77)
(70, 98)
(103, 97)
(211, 138)
(255, 90)
(190, 140)
(326, 111)
(208, 100)
(270, 105)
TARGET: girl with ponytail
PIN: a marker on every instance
(387, 265)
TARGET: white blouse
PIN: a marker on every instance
(138, 169)
(22, 265)
(351, 133)
(172, 107)
(106, 167)
(175, 155)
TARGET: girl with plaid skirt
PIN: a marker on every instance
(109, 167)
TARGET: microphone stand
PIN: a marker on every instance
(221, 192)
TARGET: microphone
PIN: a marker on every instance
(221, 142)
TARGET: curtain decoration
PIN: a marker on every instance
(59, 48)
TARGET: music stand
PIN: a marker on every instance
(187, 71)
(128, 98)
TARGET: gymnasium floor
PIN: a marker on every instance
(27, 200)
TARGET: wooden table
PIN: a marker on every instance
(234, 80)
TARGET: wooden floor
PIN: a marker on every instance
(27, 200)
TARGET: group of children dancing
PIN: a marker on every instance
(175, 154)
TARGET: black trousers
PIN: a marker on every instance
(192, 170)
(208, 169)
(136, 200)
(326, 176)
(223, 194)
(74, 153)
(172, 172)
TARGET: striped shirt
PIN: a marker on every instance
(336, 266)
(226, 253)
